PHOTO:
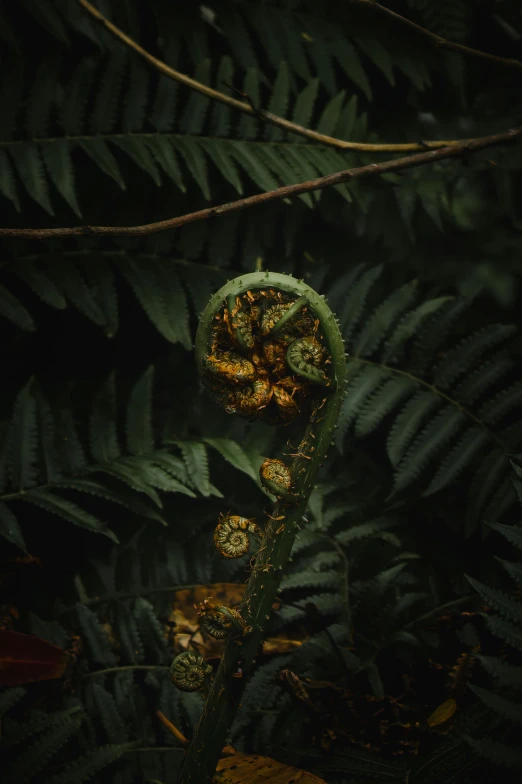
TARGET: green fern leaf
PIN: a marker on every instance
(136, 98)
(127, 633)
(153, 476)
(349, 61)
(171, 464)
(509, 610)
(488, 477)
(221, 114)
(505, 630)
(512, 533)
(175, 300)
(23, 440)
(309, 579)
(9, 527)
(140, 437)
(75, 98)
(7, 181)
(28, 163)
(164, 153)
(38, 721)
(137, 150)
(249, 126)
(464, 451)
(238, 38)
(244, 154)
(195, 162)
(12, 309)
(42, 751)
(103, 434)
(196, 460)
(513, 569)
(41, 98)
(147, 287)
(84, 768)
(47, 15)
(506, 674)
(361, 386)
(103, 117)
(494, 410)
(475, 386)
(217, 151)
(100, 279)
(68, 511)
(131, 476)
(379, 56)
(468, 352)
(57, 158)
(150, 631)
(433, 332)
(505, 708)
(376, 328)
(355, 302)
(193, 118)
(363, 531)
(98, 150)
(164, 108)
(381, 403)
(409, 325)
(492, 750)
(106, 709)
(304, 106)
(92, 487)
(51, 469)
(68, 276)
(95, 637)
(330, 116)
(235, 455)
(10, 697)
(70, 450)
(32, 274)
(445, 425)
(278, 103)
(408, 423)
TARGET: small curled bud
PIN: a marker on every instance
(188, 671)
(218, 620)
(231, 535)
(276, 477)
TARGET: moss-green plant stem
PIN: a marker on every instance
(262, 587)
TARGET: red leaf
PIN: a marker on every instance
(25, 658)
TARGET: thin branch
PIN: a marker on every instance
(247, 107)
(372, 170)
(437, 40)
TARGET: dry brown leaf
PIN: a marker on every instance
(252, 769)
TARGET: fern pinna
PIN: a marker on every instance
(247, 333)
(502, 746)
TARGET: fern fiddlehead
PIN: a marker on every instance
(188, 671)
(259, 317)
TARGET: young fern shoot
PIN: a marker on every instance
(268, 348)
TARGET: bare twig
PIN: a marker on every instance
(248, 108)
(437, 40)
(372, 170)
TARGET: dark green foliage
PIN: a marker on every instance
(103, 424)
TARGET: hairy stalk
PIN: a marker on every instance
(283, 524)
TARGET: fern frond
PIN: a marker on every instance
(103, 435)
(95, 636)
(506, 674)
(464, 451)
(140, 438)
(509, 609)
(494, 751)
(28, 162)
(42, 751)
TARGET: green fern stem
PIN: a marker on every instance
(283, 523)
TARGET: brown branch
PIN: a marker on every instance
(246, 106)
(372, 170)
(437, 40)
